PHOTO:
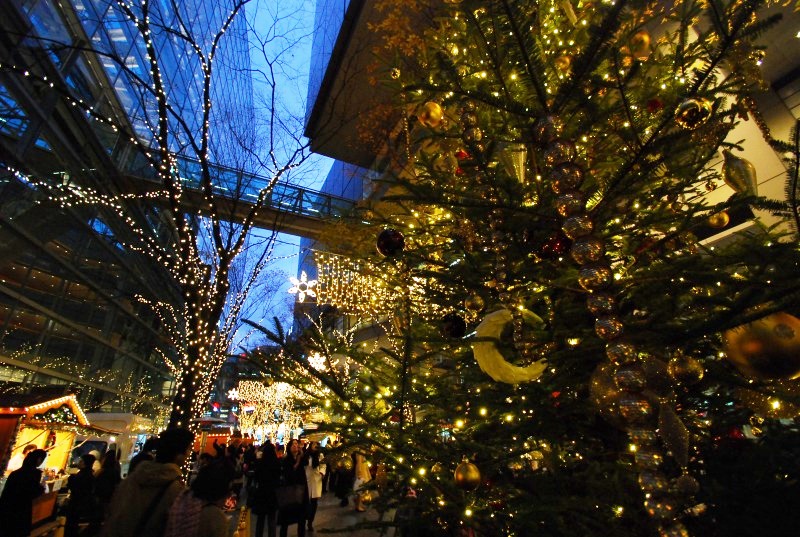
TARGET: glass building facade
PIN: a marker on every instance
(72, 297)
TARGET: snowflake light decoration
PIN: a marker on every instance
(303, 287)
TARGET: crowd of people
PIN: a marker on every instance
(282, 486)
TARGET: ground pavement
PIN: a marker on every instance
(330, 516)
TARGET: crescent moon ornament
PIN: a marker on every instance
(489, 358)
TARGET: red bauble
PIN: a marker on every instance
(453, 326)
(655, 105)
(461, 154)
(390, 242)
(557, 245)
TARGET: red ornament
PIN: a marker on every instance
(461, 154)
(557, 245)
(655, 105)
(460, 171)
(735, 433)
(390, 242)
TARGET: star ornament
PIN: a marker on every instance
(303, 287)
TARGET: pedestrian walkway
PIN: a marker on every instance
(332, 517)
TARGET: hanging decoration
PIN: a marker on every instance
(467, 476)
(390, 242)
(739, 174)
(766, 349)
(350, 286)
(303, 287)
(692, 113)
(488, 356)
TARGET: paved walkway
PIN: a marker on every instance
(334, 520)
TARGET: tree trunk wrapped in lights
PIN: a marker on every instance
(194, 169)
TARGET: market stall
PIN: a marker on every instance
(46, 422)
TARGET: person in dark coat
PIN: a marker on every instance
(106, 482)
(81, 504)
(293, 472)
(146, 454)
(22, 487)
(265, 479)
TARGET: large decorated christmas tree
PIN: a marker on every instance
(581, 318)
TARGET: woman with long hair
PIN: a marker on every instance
(294, 473)
(265, 479)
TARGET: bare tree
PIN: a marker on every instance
(213, 157)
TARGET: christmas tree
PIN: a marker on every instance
(583, 323)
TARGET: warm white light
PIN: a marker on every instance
(303, 287)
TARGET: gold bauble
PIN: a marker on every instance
(563, 62)
(719, 220)
(766, 349)
(640, 45)
(431, 114)
(685, 369)
(467, 476)
(692, 113)
(395, 73)
(474, 304)
(605, 395)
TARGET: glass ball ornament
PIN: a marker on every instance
(571, 202)
(766, 349)
(718, 220)
(474, 304)
(673, 529)
(546, 129)
(565, 177)
(563, 62)
(394, 73)
(644, 436)
(653, 482)
(685, 369)
(431, 115)
(453, 326)
(473, 134)
(630, 377)
(467, 476)
(469, 119)
(390, 242)
(608, 327)
(578, 225)
(595, 277)
(604, 395)
(589, 249)
(559, 151)
(660, 507)
(648, 457)
(621, 352)
(635, 409)
(692, 113)
(686, 486)
(601, 303)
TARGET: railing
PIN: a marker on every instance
(235, 184)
